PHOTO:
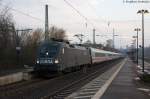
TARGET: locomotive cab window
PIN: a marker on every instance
(49, 50)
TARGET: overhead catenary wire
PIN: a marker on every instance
(87, 20)
(69, 4)
(112, 21)
(23, 13)
(77, 11)
(27, 15)
(84, 17)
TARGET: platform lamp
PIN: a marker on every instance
(142, 12)
(137, 31)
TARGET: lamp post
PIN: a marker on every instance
(142, 12)
(137, 30)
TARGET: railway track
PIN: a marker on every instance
(66, 90)
(72, 87)
(54, 88)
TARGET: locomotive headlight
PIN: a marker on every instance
(56, 61)
(47, 53)
(37, 61)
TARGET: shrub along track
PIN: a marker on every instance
(58, 87)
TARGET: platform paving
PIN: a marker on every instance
(123, 86)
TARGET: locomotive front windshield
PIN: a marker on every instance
(49, 50)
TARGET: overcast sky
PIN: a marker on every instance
(121, 16)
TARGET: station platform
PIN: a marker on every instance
(9, 76)
(117, 83)
(124, 85)
(4, 72)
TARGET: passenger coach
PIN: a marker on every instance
(99, 55)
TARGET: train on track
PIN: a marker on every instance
(56, 56)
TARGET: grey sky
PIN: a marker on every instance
(122, 17)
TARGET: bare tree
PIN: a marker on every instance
(7, 29)
(7, 35)
(30, 46)
(33, 37)
(37, 36)
(57, 33)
